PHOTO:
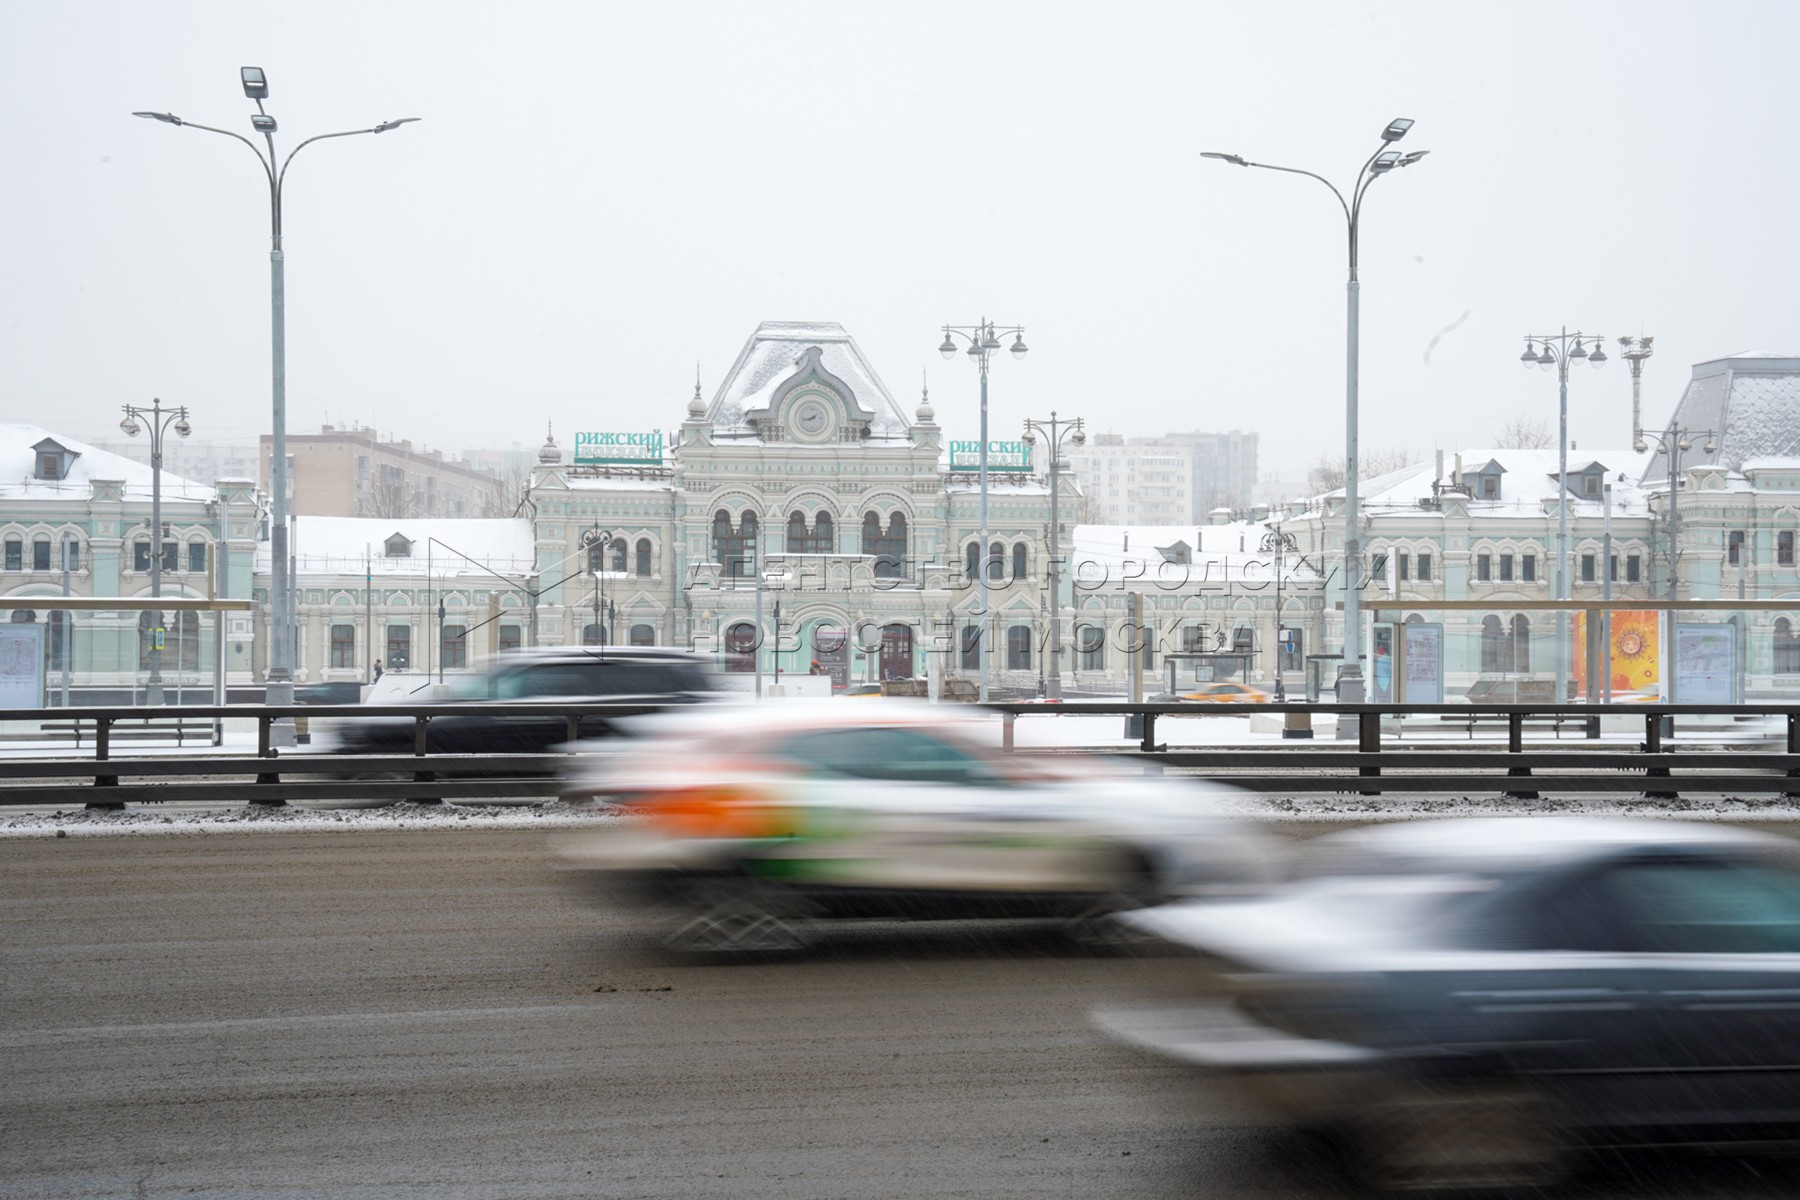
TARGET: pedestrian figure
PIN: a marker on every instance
(378, 668)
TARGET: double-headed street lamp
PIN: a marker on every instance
(1559, 350)
(1056, 432)
(596, 541)
(157, 421)
(1379, 163)
(280, 679)
(984, 340)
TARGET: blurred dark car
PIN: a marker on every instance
(576, 675)
(329, 693)
(754, 827)
(1468, 1001)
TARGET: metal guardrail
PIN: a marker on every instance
(1375, 765)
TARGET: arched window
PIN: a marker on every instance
(996, 563)
(1090, 644)
(1521, 644)
(1787, 648)
(971, 645)
(643, 558)
(1019, 561)
(196, 560)
(15, 554)
(973, 564)
(1495, 656)
(735, 549)
(888, 548)
(801, 540)
(40, 553)
(643, 635)
(618, 553)
(740, 648)
(593, 635)
(1018, 647)
(25, 616)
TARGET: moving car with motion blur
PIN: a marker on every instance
(751, 828)
(572, 674)
(1226, 693)
(1466, 1002)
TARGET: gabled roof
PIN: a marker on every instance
(1749, 403)
(19, 446)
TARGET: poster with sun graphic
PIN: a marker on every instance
(1636, 656)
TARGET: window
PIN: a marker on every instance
(1018, 648)
(817, 540)
(1019, 562)
(40, 554)
(1676, 906)
(903, 755)
(397, 546)
(399, 647)
(140, 555)
(1403, 566)
(1612, 568)
(74, 547)
(343, 646)
(1590, 485)
(1490, 487)
(643, 558)
(1424, 568)
(1506, 568)
(971, 645)
(1495, 653)
(735, 548)
(1521, 643)
(1787, 648)
(1090, 646)
(1734, 548)
(1193, 639)
(510, 638)
(171, 555)
(642, 635)
(973, 559)
(1784, 548)
(1633, 568)
(618, 549)
(59, 629)
(456, 646)
(1528, 568)
(889, 549)
(197, 556)
(593, 635)
(996, 567)
(49, 464)
(1378, 570)
(1587, 568)
(740, 648)
(1484, 567)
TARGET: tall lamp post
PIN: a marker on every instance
(157, 423)
(1672, 443)
(596, 541)
(984, 340)
(1280, 545)
(1056, 432)
(1558, 350)
(280, 681)
(1378, 164)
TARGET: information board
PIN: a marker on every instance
(1706, 664)
(22, 665)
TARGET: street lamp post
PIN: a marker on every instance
(1379, 163)
(1559, 350)
(1280, 545)
(157, 421)
(983, 340)
(280, 680)
(596, 541)
(1672, 443)
(1056, 432)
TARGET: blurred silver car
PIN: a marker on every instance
(1468, 1000)
(749, 826)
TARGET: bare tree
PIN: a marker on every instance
(506, 498)
(1524, 433)
(1327, 474)
(389, 496)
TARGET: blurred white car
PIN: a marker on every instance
(751, 826)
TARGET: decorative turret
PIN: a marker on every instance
(696, 406)
(550, 454)
(925, 415)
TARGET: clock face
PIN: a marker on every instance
(810, 418)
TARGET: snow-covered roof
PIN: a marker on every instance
(771, 357)
(449, 546)
(1528, 479)
(1219, 553)
(19, 481)
(1748, 403)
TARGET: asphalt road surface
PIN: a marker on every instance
(392, 1015)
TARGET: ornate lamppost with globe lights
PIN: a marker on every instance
(157, 421)
(1056, 432)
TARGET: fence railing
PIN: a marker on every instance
(1386, 757)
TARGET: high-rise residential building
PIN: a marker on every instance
(1173, 478)
(344, 471)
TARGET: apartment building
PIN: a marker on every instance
(348, 471)
(1169, 479)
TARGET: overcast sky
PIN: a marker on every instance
(601, 194)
